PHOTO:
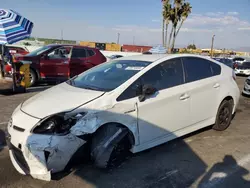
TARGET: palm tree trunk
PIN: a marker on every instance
(173, 42)
(182, 21)
(170, 38)
(166, 35)
(163, 27)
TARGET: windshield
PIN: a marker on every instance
(39, 51)
(108, 76)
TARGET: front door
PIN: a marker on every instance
(55, 65)
(203, 88)
(169, 109)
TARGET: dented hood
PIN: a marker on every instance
(57, 99)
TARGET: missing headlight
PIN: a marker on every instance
(54, 125)
(58, 124)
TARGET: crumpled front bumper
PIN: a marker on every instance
(24, 165)
(42, 155)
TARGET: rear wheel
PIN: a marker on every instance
(33, 78)
(224, 116)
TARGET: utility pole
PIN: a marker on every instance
(61, 35)
(118, 38)
(212, 46)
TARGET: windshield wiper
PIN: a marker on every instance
(91, 88)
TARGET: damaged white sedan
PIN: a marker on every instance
(128, 104)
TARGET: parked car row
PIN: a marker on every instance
(129, 104)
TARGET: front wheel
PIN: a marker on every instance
(33, 78)
(224, 116)
(110, 147)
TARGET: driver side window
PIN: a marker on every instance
(165, 75)
(59, 53)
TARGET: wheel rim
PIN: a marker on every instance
(31, 78)
(224, 117)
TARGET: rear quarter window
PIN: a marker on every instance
(90, 52)
(216, 69)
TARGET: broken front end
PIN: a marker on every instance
(53, 142)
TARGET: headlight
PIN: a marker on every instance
(55, 125)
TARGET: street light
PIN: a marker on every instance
(212, 46)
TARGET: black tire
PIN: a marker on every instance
(224, 116)
(115, 153)
(33, 78)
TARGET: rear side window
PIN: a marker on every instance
(78, 53)
(90, 52)
(196, 69)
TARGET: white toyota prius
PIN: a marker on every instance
(126, 105)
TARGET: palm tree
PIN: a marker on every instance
(177, 16)
(166, 16)
(172, 19)
(182, 11)
(186, 11)
(163, 21)
(174, 11)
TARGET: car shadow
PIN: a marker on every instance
(171, 164)
(227, 173)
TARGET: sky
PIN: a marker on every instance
(137, 21)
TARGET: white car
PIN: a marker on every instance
(246, 90)
(243, 69)
(128, 104)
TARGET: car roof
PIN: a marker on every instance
(148, 57)
(155, 57)
(74, 45)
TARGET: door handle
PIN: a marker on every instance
(184, 96)
(88, 61)
(217, 85)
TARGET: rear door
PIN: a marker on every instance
(80, 61)
(56, 64)
(203, 88)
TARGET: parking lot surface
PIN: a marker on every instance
(204, 159)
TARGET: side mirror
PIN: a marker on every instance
(147, 90)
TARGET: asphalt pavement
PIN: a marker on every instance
(204, 159)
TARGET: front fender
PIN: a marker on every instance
(120, 114)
